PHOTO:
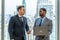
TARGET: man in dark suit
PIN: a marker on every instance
(18, 25)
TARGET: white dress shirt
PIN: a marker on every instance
(20, 16)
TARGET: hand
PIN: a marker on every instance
(12, 39)
(47, 34)
(28, 32)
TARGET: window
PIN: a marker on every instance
(51, 14)
(10, 10)
(32, 9)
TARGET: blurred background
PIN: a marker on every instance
(8, 8)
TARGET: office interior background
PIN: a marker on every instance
(8, 8)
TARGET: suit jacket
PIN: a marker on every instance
(48, 23)
(15, 28)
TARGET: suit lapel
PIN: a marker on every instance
(23, 20)
(38, 22)
(18, 19)
(45, 20)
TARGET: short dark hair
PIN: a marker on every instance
(43, 9)
(19, 7)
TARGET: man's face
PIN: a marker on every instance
(42, 13)
(21, 11)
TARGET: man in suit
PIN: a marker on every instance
(41, 22)
(18, 25)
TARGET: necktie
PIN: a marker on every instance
(22, 25)
(40, 22)
(21, 19)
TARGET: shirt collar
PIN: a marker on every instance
(20, 16)
(43, 18)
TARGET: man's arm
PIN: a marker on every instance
(27, 28)
(34, 24)
(11, 28)
(50, 27)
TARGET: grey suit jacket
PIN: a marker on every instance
(48, 23)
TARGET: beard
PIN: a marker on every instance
(40, 15)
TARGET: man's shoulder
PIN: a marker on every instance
(49, 19)
(37, 19)
(13, 16)
(24, 17)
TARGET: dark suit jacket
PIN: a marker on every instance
(15, 28)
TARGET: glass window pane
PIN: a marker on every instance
(51, 14)
(10, 10)
(32, 10)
